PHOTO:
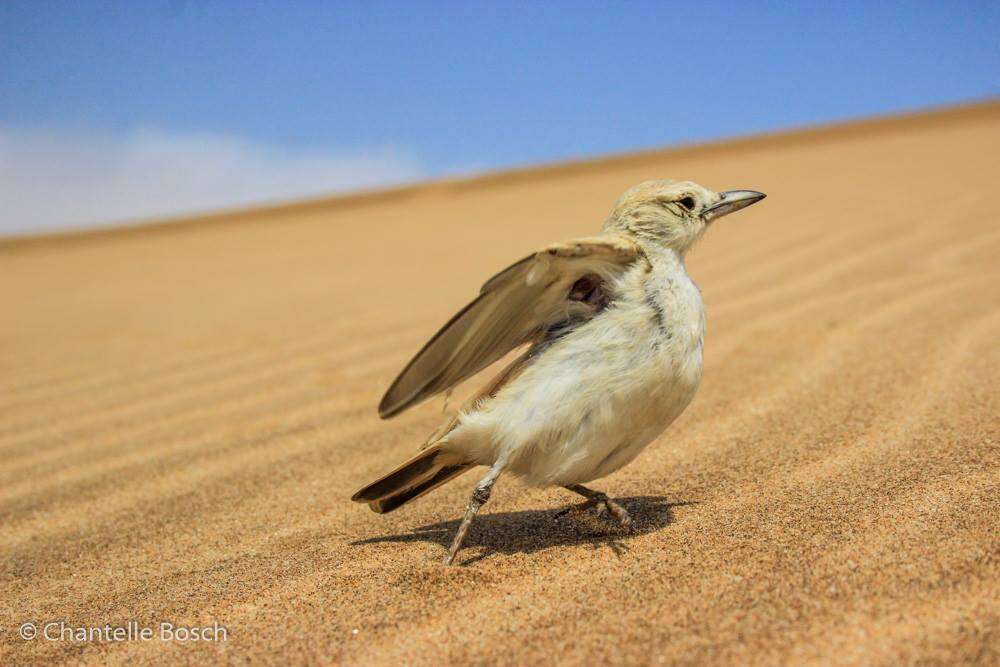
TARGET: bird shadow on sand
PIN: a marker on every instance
(534, 530)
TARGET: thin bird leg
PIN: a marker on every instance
(479, 497)
(603, 503)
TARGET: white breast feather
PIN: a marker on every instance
(593, 400)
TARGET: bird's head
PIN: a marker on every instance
(674, 213)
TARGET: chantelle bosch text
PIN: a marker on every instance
(132, 631)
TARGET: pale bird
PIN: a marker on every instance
(614, 328)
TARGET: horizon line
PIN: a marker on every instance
(950, 113)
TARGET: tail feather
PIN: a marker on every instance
(423, 473)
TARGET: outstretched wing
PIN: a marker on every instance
(557, 283)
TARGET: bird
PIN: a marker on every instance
(612, 330)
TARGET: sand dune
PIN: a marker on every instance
(185, 409)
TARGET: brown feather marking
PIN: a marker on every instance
(590, 290)
(397, 500)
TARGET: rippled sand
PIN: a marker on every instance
(185, 409)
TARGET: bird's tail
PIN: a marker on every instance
(426, 471)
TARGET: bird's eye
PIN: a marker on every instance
(687, 202)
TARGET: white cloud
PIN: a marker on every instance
(52, 179)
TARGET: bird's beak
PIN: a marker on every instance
(732, 200)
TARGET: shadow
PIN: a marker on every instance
(534, 530)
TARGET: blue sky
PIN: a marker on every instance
(113, 111)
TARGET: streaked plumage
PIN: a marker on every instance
(614, 328)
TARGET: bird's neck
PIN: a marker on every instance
(663, 258)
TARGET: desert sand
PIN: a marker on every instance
(187, 407)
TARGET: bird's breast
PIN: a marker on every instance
(594, 398)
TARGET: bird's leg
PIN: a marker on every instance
(479, 497)
(603, 504)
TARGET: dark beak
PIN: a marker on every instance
(732, 200)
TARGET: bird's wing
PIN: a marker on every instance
(552, 285)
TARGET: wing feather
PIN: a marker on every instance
(512, 307)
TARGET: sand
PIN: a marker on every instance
(187, 407)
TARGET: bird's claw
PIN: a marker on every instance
(603, 507)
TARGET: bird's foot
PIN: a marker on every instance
(618, 512)
(605, 507)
